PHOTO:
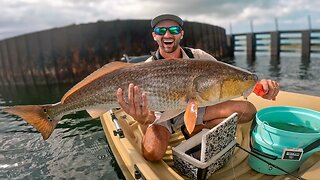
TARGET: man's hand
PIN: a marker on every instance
(270, 89)
(134, 107)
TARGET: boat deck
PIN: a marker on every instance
(128, 150)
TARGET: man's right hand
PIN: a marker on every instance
(136, 107)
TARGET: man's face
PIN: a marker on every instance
(168, 42)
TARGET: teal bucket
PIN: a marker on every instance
(284, 136)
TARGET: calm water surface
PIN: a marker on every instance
(293, 74)
(78, 148)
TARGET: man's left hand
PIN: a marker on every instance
(271, 89)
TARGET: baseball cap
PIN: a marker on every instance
(162, 17)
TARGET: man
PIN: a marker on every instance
(168, 33)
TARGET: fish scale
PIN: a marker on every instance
(152, 80)
(168, 84)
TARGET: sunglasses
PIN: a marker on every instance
(173, 30)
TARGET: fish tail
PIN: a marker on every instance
(37, 116)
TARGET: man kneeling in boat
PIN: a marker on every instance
(167, 32)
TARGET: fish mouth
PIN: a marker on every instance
(247, 92)
(255, 77)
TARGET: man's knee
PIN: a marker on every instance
(155, 142)
(245, 109)
(248, 113)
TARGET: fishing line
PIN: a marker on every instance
(242, 114)
(270, 164)
(234, 174)
(245, 109)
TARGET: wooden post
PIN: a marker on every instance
(305, 51)
(230, 43)
(275, 45)
(2, 70)
(251, 47)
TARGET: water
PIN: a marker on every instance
(292, 127)
(292, 73)
(78, 149)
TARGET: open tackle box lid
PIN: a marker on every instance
(216, 147)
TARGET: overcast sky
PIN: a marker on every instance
(24, 16)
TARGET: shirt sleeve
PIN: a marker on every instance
(149, 59)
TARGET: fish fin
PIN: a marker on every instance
(106, 69)
(95, 113)
(36, 116)
(190, 116)
(167, 115)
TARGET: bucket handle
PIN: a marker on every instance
(269, 156)
(308, 148)
(264, 123)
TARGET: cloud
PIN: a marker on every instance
(23, 16)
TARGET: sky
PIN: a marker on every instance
(239, 16)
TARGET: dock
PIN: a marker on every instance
(305, 42)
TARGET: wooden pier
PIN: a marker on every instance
(304, 42)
